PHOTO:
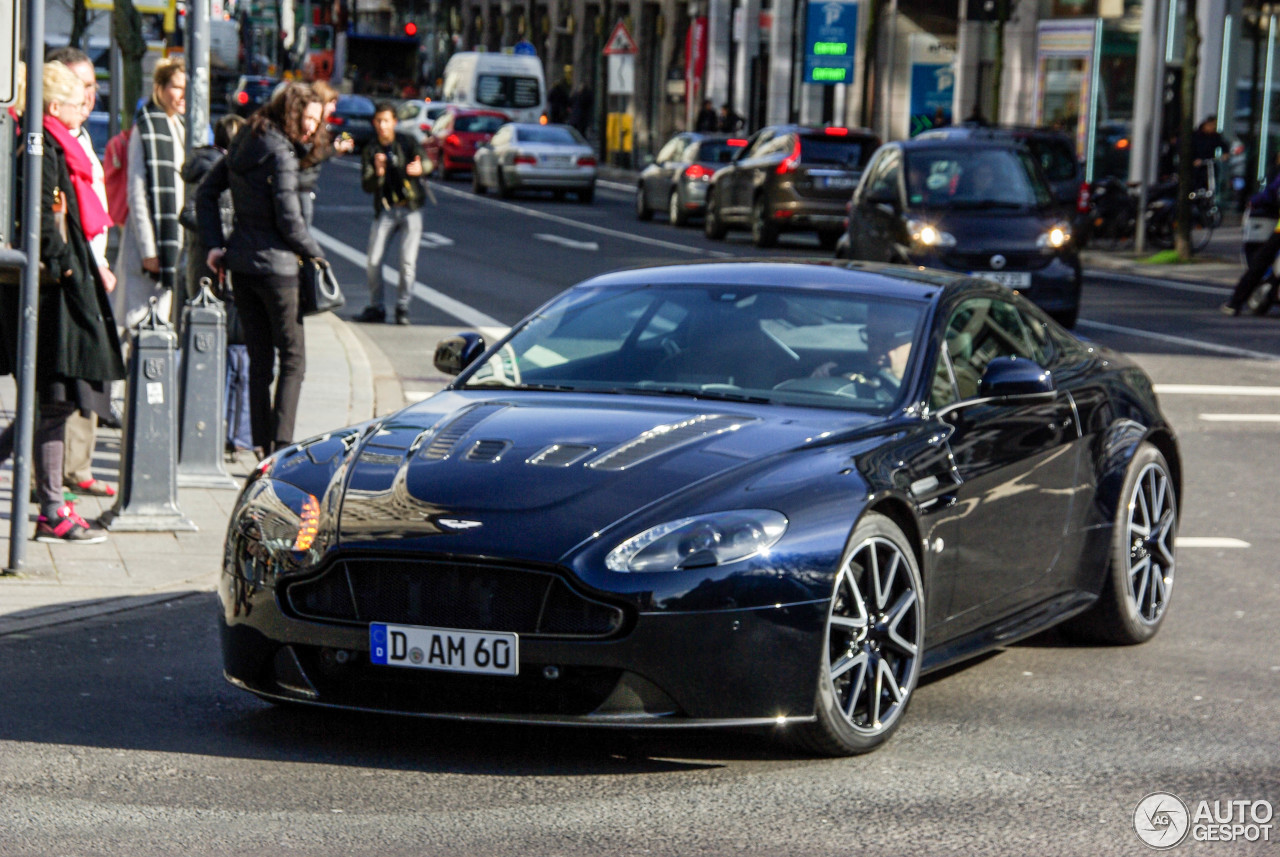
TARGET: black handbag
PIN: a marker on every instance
(318, 289)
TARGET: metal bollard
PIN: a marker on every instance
(202, 421)
(148, 498)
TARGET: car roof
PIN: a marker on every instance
(891, 281)
(925, 143)
(996, 132)
(820, 129)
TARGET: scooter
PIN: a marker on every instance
(1256, 227)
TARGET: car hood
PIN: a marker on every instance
(537, 474)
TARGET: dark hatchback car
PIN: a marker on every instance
(353, 115)
(678, 178)
(251, 92)
(980, 207)
(789, 178)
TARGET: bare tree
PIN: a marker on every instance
(1190, 70)
(79, 22)
(126, 29)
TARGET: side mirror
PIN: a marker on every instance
(1010, 377)
(457, 352)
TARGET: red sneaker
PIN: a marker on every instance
(67, 527)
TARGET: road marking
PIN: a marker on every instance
(566, 242)
(1102, 273)
(1209, 542)
(456, 308)
(1179, 340)
(1214, 390)
(1241, 418)
(615, 185)
(590, 227)
(432, 240)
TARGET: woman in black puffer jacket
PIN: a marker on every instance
(267, 241)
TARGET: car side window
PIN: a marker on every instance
(408, 110)
(762, 139)
(979, 331)
(780, 144)
(884, 183)
(671, 150)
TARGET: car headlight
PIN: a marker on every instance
(707, 540)
(1056, 238)
(278, 531)
(928, 235)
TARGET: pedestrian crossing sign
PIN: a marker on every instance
(620, 41)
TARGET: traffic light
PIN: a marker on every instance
(411, 29)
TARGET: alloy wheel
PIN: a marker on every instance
(1152, 526)
(875, 633)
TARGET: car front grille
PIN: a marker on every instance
(1021, 261)
(469, 596)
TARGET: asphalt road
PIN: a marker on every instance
(119, 736)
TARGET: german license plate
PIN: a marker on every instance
(837, 182)
(1012, 279)
(555, 160)
(447, 649)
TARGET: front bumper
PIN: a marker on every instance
(705, 668)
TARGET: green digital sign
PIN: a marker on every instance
(829, 75)
(830, 41)
(830, 49)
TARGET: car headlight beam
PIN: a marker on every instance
(1056, 238)
(717, 538)
(928, 235)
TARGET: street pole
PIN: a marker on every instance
(24, 416)
(197, 74)
(1148, 110)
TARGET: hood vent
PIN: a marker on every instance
(488, 450)
(664, 438)
(442, 445)
(561, 455)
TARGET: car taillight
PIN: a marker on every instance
(453, 140)
(336, 120)
(242, 97)
(836, 132)
(789, 162)
(697, 171)
(425, 126)
(586, 161)
(525, 159)
(736, 143)
(1082, 198)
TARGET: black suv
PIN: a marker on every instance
(979, 206)
(789, 178)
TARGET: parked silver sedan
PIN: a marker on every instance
(536, 157)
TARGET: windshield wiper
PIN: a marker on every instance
(694, 393)
(555, 388)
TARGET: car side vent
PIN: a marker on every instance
(442, 445)
(488, 450)
(664, 438)
(560, 455)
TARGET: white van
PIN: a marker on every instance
(511, 83)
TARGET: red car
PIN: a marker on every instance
(455, 135)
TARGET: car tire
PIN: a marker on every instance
(712, 225)
(1139, 579)
(676, 215)
(874, 631)
(643, 211)
(586, 197)
(557, 195)
(477, 186)
(764, 233)
(827, 239)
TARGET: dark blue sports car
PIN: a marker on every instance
(718, 494)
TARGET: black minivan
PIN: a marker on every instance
(980, 206)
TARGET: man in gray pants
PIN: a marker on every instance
(391, 170)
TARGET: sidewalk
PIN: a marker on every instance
(348, 380)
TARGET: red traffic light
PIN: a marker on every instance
(411, 29)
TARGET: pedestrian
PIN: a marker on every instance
(1263, 255)
(323, 147)
(707, 122)
(82, 426)
(196, 168)
(581, 106)
(263, 252)
(391, 170)
(77, 348)
(558, 99)
(729, 122)
(147, 263)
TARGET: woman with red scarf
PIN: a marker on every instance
(77, 348)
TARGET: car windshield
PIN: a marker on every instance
(974, 178)
(717, 151)
(502, 90)
(478, 124)
(850, 153)
(763, 345)
(354, 105)
(549, 134)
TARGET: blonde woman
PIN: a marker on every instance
(147, 265)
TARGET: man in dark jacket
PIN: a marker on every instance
(391, 170)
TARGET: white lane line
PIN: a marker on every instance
(456, 308)
(1241, 418)
(566, 242)
(1102, 273)
(1214, 390)
(590, 227)
(1179, 340)
(615, 185)
(432, 240)
(1209, 542)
